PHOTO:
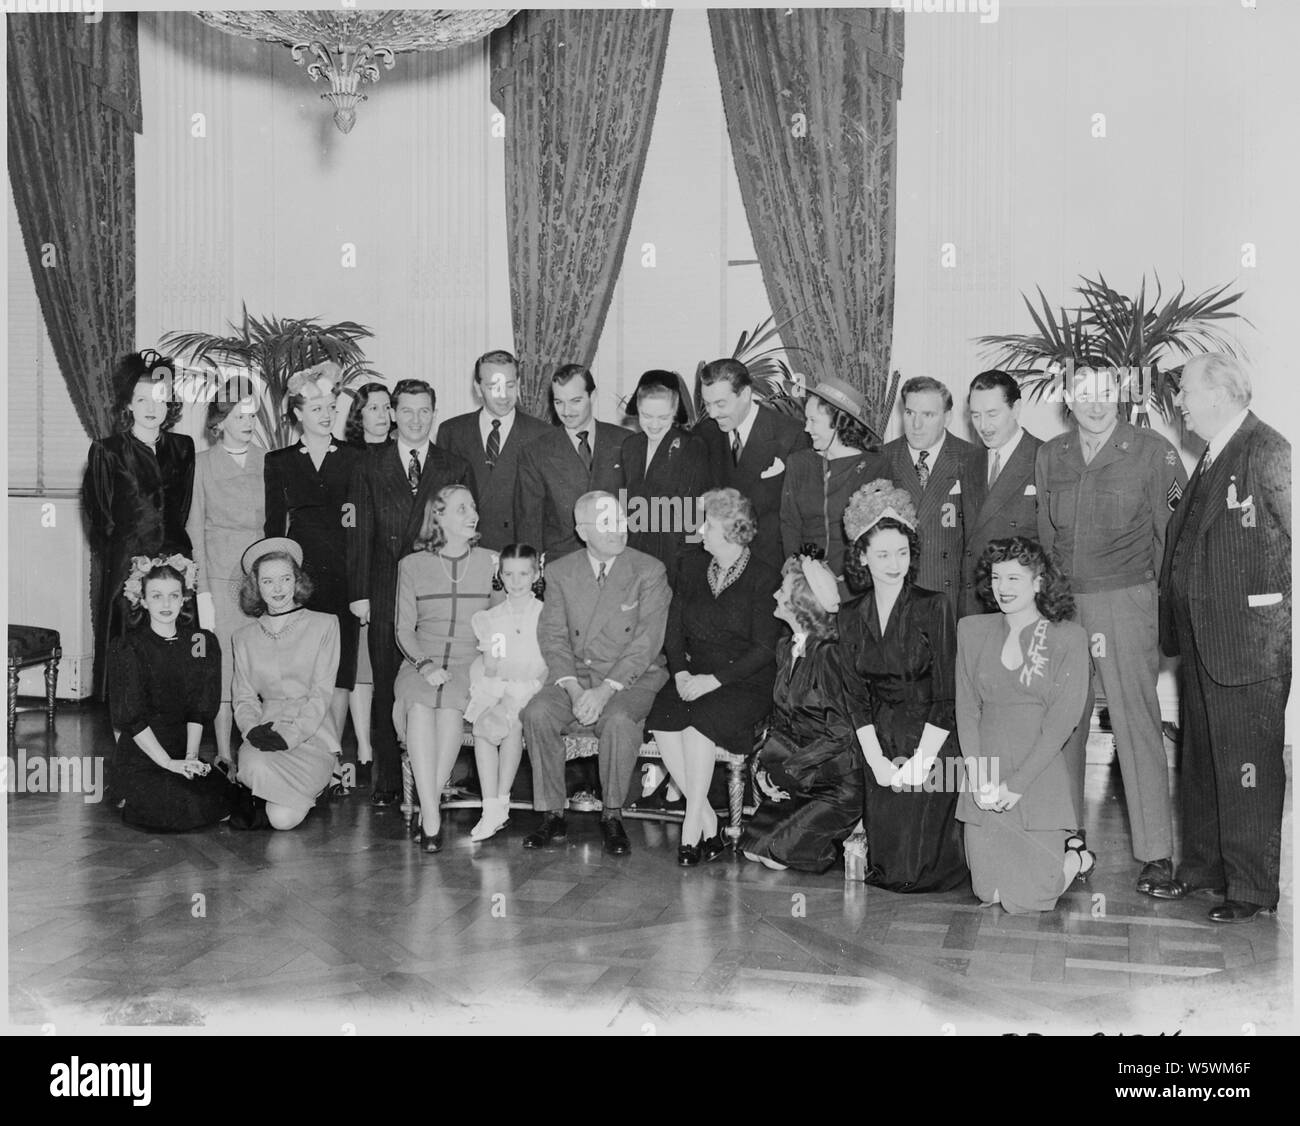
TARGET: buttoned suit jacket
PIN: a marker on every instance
(552, 477)
(1230, 563)
(940, 512)
(1010, 508)
(495, 483)
(592, 632)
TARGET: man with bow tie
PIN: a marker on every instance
(1226, 611)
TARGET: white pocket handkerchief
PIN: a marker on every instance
(1031, 490)
(956, 488)
(777, 467)
(630, 606)
(1263, 599)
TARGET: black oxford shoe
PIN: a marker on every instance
(616, 842)
(1237, 911)
(552, 828)
(1179, 889)
(383, 797)
(1155, 872)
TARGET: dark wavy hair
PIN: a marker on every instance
(231, 393)
(137, 615)
(353, 431)
(816, 621)
(143, 367)
(857, 575)
(1054, 600)
(250, 597)
(520, 551)
(657, 382)
(847, 428)
(431, 537)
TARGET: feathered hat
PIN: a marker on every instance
(872, 503)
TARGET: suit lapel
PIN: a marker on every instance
(754, 455)
(1225, 474)
(1011, 480)
(634, 460)
(603, 598)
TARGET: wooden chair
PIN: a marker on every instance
(33, 645)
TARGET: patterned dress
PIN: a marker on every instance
(509, 640)
(437, 599)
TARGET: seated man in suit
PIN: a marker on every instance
(579, 456)
(930, 463)
(491, 439)
(602, 634)
(748, 447)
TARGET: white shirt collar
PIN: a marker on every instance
(746, 427)
(933, 451)
(485, 420)
(1004, 452)
(1225, 434)
(595, 564)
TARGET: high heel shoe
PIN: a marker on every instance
(1087, 860)
(713, 847)
(426, 841)
(688, 856)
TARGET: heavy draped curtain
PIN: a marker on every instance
(810, 96)
(74, 110)
(578, 91)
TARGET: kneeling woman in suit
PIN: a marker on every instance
(720, 642)
(1022, 677)
(285, 665)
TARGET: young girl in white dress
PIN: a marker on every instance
(507, 675)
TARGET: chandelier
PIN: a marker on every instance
(346, 47)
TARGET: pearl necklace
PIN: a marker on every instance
(454, 580)
(288, 627)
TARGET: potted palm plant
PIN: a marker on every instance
(270, 350)
(1147, 342)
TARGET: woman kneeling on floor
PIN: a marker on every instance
(285, 665)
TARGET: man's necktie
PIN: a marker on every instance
(600, 575)
(413, 472)
(994, 468)
(584, 448)
(494, 442)
(1089, 452)
(736, 447)
(922, 467)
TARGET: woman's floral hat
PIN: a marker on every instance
(872, 503)
(320, 379)
(821, 581)
(141, 565)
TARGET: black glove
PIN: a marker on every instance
(265, 739)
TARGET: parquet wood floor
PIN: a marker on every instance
(343, 926)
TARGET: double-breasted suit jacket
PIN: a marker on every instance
(552, 477)
(760, 475)
(1008, 509)
(660, 498)
(494, 480)
(940, 512)
(1225, 587)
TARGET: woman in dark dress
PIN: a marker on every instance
(308, 499)
(164, 685)
(809, 774)
(137, 489)
(899, 646)
(720, 643)
(664, 470)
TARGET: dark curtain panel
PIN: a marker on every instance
(74, 110)
(578, 90)
(811, 99)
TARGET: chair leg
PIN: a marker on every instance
(408, 788)
(735, 796)
(13, 695)
(51, 684)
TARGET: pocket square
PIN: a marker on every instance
(956, 488)
(777, 467)
(630, 606)
(1264, 599)
(1031, 490)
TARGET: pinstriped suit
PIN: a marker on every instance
(1226, 610)
(940, 517)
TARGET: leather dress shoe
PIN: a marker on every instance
(713, 847)
(616, 842)
(1155, 872)
(383, 797)
(1238, 911)
(552, 828)
(1179, 889)
(688, 856)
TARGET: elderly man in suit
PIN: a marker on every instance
(930, 463)
(491, 439)
(1106, 491)
(390, 488)
(602, 634)
(748, 446)
(1226, 610)
(579, 456)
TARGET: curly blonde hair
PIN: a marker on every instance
(432, 537)
(733, 512)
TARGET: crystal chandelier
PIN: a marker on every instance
(346, 46)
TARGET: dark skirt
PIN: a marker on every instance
(805, 830)
(160, 801)
(914, 841)
(727, 715)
